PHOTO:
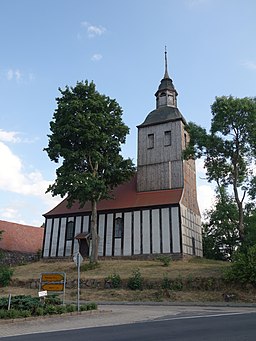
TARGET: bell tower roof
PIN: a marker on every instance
(166, 82)
(166, 102)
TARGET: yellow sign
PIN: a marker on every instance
(53, 286)
(52, 277)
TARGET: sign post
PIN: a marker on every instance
(78, 259)
(53, 282)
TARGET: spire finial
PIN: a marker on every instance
(165, 58)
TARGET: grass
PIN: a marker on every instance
(152, 271)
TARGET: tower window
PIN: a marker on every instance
(167, 138)
(119, 226)
(151, 141)
(70, 230)
(185, 140)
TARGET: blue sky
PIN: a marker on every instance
(119, 44)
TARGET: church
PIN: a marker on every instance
(156, 212)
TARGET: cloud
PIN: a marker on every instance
(9, 136)
(18, 76)
(14, 178)
(250, 65)
(12, 74)
(96, 57)
(92, 30)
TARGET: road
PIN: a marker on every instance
(148, 323)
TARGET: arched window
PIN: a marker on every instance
(119, 226)
(70, 230)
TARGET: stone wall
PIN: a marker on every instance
(17, 258)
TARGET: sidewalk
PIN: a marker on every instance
(113, 314)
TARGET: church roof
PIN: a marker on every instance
(21, 238)
(162, 115)
(125, 197)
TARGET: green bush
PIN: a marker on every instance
(243, 268)
(5, 275)
(92, 306)
(166, 283)
(175, 284)
(164, 259)
(39, 311)
(50, 309)
(135, 282)
(114, 280)
(89, 266)
(70, 308)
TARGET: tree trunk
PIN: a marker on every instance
(94, 254)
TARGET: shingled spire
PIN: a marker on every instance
(166, 75)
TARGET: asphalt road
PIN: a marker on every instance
(139, 322)
(186, 327)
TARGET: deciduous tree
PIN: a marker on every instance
(86, 136)
(229, 148)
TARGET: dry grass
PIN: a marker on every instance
(152, 270)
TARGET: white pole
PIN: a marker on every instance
(78, 281)
(9, 301)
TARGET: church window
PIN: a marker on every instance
(167, 138)
(162, 94)
(151, 141)
(119, 226)
(70, 230)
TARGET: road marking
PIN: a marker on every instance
(198, 316)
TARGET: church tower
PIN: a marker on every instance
(161, 140)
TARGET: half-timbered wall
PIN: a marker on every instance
(191, 232)
(145, 231)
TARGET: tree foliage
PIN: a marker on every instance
(220, 233)
(86, 136)
(229, 148)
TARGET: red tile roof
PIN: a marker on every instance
(125, 197)
(21, 238)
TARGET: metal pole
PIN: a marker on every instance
(9, 301)
(78, 281)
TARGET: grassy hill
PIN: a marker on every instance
(197, 280)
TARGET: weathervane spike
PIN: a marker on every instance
(166, 70)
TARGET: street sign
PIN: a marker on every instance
(52, 277)
(77, 258)
(53, 286)
(42, 293)
(53, 282)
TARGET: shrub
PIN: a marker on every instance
(135, 282)
(89, 266)
(61, 309)
(113, 280)
(50, 309)
(92, 306)
(243, 269)
(165, 260)
(166, 283)
(39, 311)
(70, 308)
(5, 275)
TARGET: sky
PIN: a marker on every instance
(118, 44)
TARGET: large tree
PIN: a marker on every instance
(229, 148)
(86, 136)
(220, 233)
